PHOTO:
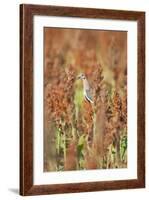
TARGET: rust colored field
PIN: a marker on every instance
(79, 134)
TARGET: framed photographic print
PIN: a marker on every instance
(82, 99)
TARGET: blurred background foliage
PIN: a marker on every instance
(78, 135)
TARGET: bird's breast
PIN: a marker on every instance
(86, 85)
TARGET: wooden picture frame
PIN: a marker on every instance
(27, 12)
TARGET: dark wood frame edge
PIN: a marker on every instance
(26, 99)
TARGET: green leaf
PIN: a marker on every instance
(123, 146)
(81, 140)
(78, 97)
(80, 146)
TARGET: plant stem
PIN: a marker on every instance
(64, 146)
(58, 142)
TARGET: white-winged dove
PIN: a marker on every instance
(86, 88)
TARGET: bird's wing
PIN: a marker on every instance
(88, 95)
